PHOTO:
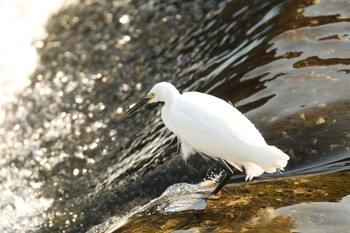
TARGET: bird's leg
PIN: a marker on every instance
(227, 175)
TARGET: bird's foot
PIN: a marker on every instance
(210, 196)
(279, 171)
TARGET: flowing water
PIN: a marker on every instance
(70, 159)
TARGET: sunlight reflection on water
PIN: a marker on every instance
(310, 217)
(69, 129)
(176, 198)
(319, 216)
(22, 25)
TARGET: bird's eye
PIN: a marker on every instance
(151, 95)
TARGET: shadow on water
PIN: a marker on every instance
(284, 64)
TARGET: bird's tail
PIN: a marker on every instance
(268, 159)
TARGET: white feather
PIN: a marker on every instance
(211, 126)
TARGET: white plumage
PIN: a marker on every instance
(208, 125)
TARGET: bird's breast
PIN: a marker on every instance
(165, 114)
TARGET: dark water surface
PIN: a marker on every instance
(285, 64)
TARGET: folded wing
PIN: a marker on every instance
(212, 126)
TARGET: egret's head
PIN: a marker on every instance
(161, 92)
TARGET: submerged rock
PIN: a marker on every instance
(302, 204)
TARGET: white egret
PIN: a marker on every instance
(208, 125)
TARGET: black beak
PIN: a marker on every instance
(137, 106)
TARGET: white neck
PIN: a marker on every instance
(170, 95)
